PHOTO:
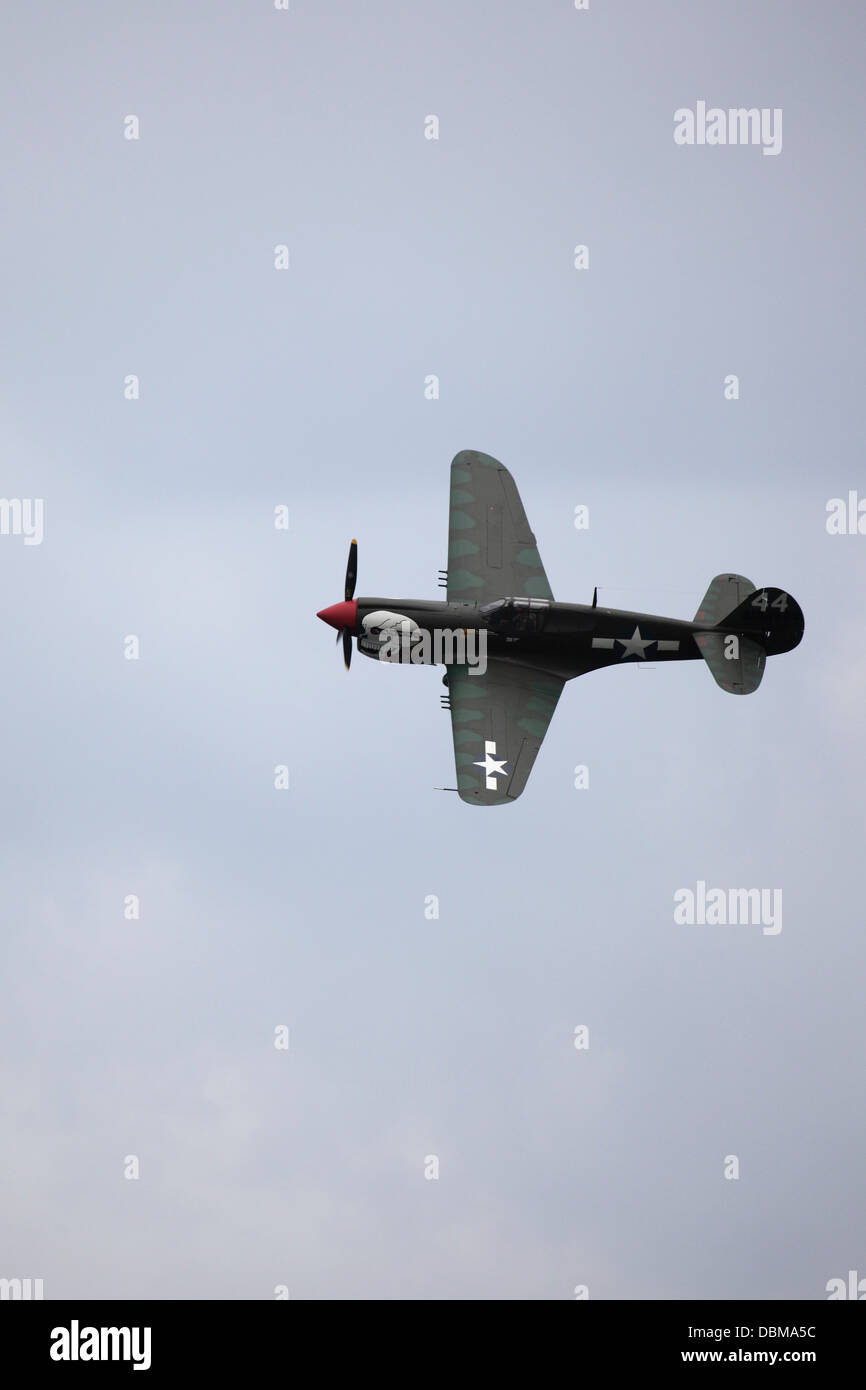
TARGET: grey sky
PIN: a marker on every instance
(604, 387)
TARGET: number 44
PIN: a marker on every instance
(762, 602)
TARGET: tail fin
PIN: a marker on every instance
(762, 623)
(770, 617)
(726, 592)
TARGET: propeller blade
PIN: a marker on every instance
(347, 647)
(351, 571)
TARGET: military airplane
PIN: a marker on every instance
(499, 600)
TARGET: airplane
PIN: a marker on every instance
(498, 597)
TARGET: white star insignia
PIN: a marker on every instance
(634, 645)
(493, 767)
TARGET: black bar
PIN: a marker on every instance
(220, 1338)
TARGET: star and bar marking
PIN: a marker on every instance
(493, 767)
(634, 645)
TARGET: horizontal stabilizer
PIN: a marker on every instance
(737, 663)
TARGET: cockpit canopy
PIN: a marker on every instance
(516, 617)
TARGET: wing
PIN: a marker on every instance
(491, 549)
(498, 719)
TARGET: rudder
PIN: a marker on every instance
(771, 617)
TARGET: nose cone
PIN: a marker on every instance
(340, 615)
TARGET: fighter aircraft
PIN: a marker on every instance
(499, 601)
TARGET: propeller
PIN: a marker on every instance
(351, 576)
(351, 571)
(343, 615)
(346, 636)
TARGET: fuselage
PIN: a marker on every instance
(566, 639)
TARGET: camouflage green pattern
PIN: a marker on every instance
(726, 592)
(508, 706)
(491, 549)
